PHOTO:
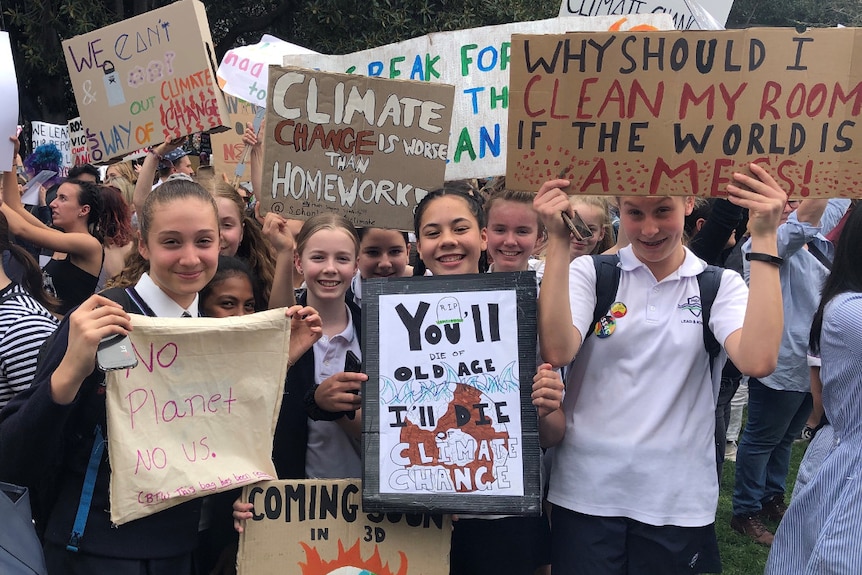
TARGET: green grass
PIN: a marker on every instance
(740, 555)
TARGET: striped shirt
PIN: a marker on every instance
(822, 529)
(24, 326)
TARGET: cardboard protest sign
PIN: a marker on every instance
(198, 413)
(450, 426)
(676, 113)
(686, 14)
(227, 147)
(9, 97)
(244, 71)
(367, 148)
(318, 527)
(476, 62)
(78, 142)
(145, 80)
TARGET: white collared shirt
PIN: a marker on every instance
(161, 304)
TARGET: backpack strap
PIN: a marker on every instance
(607, 283)
(87, 491)
(708, 281)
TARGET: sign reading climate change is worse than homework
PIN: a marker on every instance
(145, 80)
(367, 148)
(677, 113)
(450, 427)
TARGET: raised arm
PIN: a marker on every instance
(277, 231)
(148, 170)
(559, 341)
(754, 347)
(249, 138)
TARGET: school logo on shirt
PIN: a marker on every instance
(692, 304)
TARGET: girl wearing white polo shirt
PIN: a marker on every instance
(634, 484)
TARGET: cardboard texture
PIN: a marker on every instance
(227, 146)
(450, 426)
(318, 527)
(367, 148)
(145, 80)
(9, 97)
(198, 413)
(686, 14)
(477, 62)
(675, 113)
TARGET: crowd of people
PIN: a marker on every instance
(647, 326)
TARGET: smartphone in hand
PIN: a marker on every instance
(115, 352)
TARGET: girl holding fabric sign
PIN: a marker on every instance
(633, 485)
(55, 429)
(450, 237)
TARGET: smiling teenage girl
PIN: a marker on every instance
(634, 485)
(451, 235)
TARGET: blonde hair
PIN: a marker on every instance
(327, 221)
(126, 170)
(603, 205)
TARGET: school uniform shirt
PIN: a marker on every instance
(331, 453)
(640, 403)
(160, 303)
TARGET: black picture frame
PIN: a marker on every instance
(523, 289)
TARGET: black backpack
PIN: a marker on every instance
(608, 282)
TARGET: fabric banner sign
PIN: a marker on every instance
(476, 61)
(367, 148)
(686, 14)
(198, 413)
(676, 113)
(318, 527)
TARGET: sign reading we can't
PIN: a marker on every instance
(145, 80)
(676, 113)
(367, 148)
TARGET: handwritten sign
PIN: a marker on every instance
(476, 62)
(318, 527)
(676, 113)
(244, 71)
(450, 427)
(198, 413)
(686, 14)
(57, 134)
(368, 148)
(145, 80)
(227, 147)
(9, 97)
(78, 141)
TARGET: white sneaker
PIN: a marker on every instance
(730, 451)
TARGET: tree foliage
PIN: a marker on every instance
(37, 28)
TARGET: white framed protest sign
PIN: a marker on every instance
(448, 422)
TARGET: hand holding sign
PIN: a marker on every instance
(761, 195)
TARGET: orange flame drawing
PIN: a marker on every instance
(618, 26)
(349, 558)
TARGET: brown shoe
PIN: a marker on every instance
(774, 509)
(752, 526)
